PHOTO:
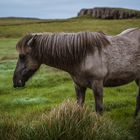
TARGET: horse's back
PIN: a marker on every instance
(123, 59)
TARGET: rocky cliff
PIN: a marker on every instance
(110, 13)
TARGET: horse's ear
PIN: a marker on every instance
(31, 41)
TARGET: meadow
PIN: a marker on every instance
(26, 113)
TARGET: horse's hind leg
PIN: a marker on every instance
(97, 87)
(80, 93)
(138, 98)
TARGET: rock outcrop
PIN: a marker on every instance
(110, 13)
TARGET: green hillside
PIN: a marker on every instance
(18, 27)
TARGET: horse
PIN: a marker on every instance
(93, 59)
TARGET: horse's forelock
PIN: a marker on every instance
(22, 46)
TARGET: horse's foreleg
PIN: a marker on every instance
(80, 93)
(97, 87)
(138, 99)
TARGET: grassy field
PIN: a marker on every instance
(50, 87)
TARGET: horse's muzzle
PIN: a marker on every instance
(18, 84)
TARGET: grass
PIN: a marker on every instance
(5, 46)
(71, 25)
(67, 121)
(20, 109)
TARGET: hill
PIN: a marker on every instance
(110, 13)
(17, 27)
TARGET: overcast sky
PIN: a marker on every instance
(50, 9)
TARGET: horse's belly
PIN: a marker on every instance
(119, 80)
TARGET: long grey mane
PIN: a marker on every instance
(64, 48)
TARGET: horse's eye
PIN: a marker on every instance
(22, 56)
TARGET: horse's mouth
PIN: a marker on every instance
(19, 84)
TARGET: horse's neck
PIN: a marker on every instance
(65, 65)
(66, 68)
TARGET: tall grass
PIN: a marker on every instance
(135, 128)
(65, 122)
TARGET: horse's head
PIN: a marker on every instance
(27, 64)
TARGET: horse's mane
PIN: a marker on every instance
(63, 47)
(127, 31)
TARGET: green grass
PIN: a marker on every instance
(71, 25)
(49, 87)
(12, 21)
(7, 49)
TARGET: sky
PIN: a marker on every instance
(57, 9)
